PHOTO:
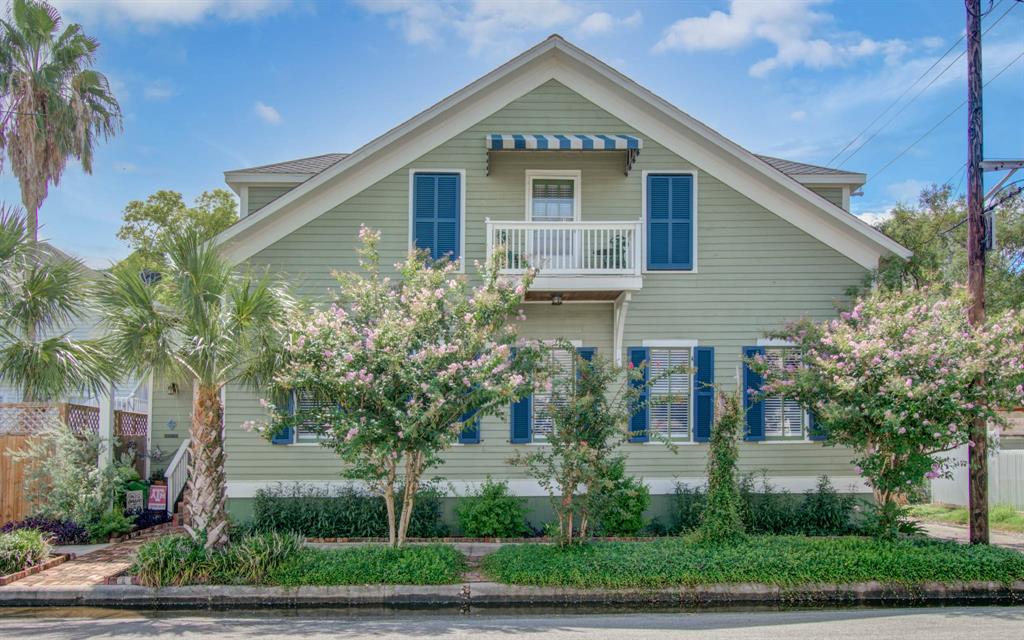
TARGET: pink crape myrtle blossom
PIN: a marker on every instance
(895, 380)
(399, 366)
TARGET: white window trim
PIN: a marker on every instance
(462, 209)
(643, 217)
(555, 174)
(775, 342)
(674, 343)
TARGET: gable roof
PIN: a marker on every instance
(556, 59)
(310, 165)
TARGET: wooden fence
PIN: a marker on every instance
(20, 422)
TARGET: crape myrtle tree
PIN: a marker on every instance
(399, 366)
(894, 379)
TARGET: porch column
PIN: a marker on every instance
(106, 427)
(619, 316)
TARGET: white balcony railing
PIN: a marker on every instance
(567, 248)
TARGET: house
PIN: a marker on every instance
(656, 237)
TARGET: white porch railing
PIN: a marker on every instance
(567, 248)
(177, 475)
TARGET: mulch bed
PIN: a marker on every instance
(43, 566)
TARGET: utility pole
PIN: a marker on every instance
(977, 455)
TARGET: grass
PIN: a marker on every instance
(371, 564)
(780, 560)
(1001, 517)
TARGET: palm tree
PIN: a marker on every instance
(53, 105)
(42, 292)
(207, 324)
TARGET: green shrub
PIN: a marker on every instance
(687, 505)
(22, 549)
(765, 510)
(112, 523)
(347, 512)
(779, 560)
(371, 564)
(823, 512)
(722, 518)
(492, 512)
(622, 503)
(182, 560)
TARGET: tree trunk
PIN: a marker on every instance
(32, 223)
(206, 496)
(413, 468)
(389, 502)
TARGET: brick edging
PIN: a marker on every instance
(42, 566)
(492, 594)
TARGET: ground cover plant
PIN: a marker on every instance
(780, 560)
(182, 560)
(21, 549)
(371, 564)
(59, 531)
(1001, 517)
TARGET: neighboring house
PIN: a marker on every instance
(657, 239)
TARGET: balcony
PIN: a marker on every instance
(570, 256)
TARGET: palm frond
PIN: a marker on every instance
(53, 368)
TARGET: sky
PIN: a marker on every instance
(213, 85)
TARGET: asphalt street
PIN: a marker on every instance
(976, 623)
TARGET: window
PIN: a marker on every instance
(436, 211)
(304, 401)
(670, 222)
(553, 200)
(783, 418)
(563, 364)
(670, 419)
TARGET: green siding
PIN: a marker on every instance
(832, 194)
(168, 407)
(755, 271)
(260, 197)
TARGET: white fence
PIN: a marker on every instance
(1005, 480)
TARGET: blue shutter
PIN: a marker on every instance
(815, 430)
(521, 418)
(437, 213)
(703, 393)
(639, 356)
(286, 435)
(670, 222)
(470, 433)
(587, 354)
(754, 410)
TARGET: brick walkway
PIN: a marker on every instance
(96, 567)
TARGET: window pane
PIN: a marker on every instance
(304, 401)
(553, 200)
(783, 418)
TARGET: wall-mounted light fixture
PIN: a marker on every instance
(556, 298)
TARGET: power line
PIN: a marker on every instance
(918, 94)
(939, 123)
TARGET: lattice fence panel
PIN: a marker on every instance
(27, 417)
(82, 418)
(129, 423)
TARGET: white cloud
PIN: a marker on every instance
(159, 90)
(494, 27)
(906, 191)
(792, 27)
(267, 113)
(601, 22)
(875, 217)
(155, 12)
(798, 116)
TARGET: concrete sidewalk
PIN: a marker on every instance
(943, 531)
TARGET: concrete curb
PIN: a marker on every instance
(497, 595)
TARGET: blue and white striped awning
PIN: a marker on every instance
(562, 142)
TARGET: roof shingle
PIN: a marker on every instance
(310, 165)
